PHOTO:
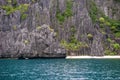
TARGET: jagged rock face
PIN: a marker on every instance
(22, 43)
(110, 8)
(35, 35)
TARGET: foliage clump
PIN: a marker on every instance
(109, 52)
(101, 19)
(71, 46)
(93, 11)
(117, 34)
(113, 49)
(116, 46)
(9, 1)
(11, 8)
(67, 13)
(90, 36)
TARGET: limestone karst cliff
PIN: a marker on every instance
(55, 28)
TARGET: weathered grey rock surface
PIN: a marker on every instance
(40, 34)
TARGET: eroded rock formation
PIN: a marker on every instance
(38, 31)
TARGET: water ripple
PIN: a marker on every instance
(59, 69)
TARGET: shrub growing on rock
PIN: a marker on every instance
(101, 19)
(109, 52)
(90, 36)
(117, 35)
(116, 46)
(107, 23)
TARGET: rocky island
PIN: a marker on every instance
(58, 28)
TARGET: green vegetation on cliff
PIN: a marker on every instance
(117, 0)
(13, 6)
(82, 27)
(97, 16)
(67, 13)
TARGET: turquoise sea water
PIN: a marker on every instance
(60, 69)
